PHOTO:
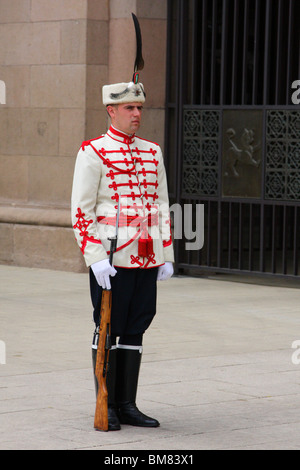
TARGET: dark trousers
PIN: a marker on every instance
(134, 294)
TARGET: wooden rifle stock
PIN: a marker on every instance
(101, 413)
(104, 344)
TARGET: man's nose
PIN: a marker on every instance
(137, 111)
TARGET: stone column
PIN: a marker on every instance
(55, 56)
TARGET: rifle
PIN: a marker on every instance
(104, 345)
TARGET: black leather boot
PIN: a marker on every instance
(128, 367)
(113, 420)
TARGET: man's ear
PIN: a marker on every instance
(111, 110)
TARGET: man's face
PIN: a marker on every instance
(126, 117)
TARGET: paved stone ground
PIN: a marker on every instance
(217, 366)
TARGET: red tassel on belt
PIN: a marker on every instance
(145, 245)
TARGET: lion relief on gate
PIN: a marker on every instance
(240, 151)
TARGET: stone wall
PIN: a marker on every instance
(55, 56)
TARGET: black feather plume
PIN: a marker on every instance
(139, 61)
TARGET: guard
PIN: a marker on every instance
(120, 167)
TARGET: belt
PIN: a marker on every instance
(130, 220)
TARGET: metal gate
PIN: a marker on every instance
(233, 131)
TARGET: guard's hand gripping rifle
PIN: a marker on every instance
(104, 345)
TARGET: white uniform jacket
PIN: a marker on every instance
(115, 166)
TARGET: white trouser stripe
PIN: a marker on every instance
(95, 346)
(128, 346)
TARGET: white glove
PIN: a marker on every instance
(102, 270)
(165, 271)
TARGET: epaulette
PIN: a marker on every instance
(85, 143)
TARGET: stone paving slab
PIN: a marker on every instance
(217, 366)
